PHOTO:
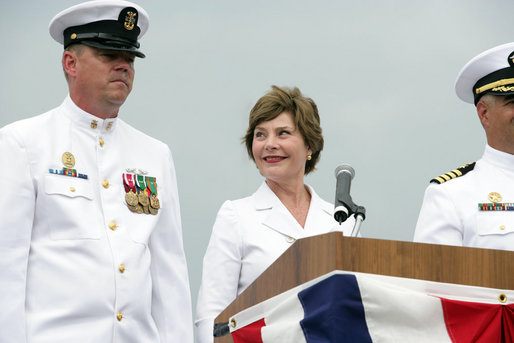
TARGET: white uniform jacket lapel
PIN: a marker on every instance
(275, 216)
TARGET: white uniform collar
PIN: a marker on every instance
(85, 119)
(499, 158)
(266, 199)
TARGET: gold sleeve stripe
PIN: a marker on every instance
(494, 84)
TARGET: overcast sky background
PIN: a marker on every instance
(381, 72)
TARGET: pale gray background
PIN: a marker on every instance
(381, 72)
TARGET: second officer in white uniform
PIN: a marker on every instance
(90, 231)
(474, 205)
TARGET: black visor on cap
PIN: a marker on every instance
(120, 35)
(500, 82)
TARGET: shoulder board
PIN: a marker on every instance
(454, 173)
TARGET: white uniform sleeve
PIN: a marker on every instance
(17, 204)
(171, 295)
(438, 220)
(221, 270)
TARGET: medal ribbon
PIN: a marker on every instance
(150, 181)
(141, 184)
(128, 182)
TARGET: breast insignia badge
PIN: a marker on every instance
(68, 160)
(494, 197)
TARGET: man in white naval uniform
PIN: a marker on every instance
(472, 205)
(90, 231)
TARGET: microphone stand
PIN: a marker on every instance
(359, 212)
(360, 215)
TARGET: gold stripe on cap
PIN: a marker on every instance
(494, 84)
(503, 89)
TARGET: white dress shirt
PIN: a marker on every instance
(76, 265)
(450, 213)
(248, 236)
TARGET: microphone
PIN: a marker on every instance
(343, 205)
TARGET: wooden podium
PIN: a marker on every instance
(311, 257)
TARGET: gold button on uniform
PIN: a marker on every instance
(101, 140)
(122, 268)
(502, 227)
(119, 316)
(72, 189)
(113, 226)
(105, 184)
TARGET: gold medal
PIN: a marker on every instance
(146, 209)
(154, 202)
(132, 208)
(143, 199)
(139, 209)
(494, 197)
(153, 211)
(131, 198)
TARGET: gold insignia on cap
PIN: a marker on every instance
(68, 159)
(73, 36)
(130, 20)
(494, 85)
(494, 197)
(503, 89)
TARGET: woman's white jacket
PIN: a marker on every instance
(248, 236)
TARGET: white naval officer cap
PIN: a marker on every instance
(103, 24)
(491, 72)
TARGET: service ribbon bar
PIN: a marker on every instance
(496, 206)
(68, 172)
